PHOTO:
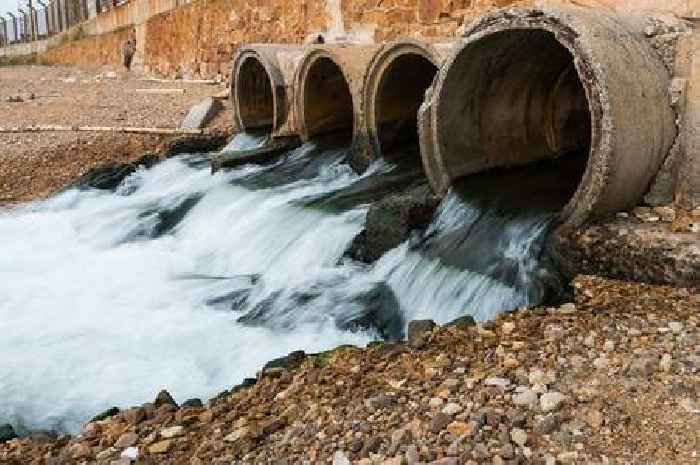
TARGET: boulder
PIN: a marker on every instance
(289, 362)
(390, 222)
(419, 331)
(204, 143)
(7, 433)
(380, 310)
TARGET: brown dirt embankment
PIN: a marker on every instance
(33, 165)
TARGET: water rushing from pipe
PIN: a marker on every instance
(190, 281)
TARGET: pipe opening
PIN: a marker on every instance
(400, 94)
(511, 99)
(328, 106)
(255, 97)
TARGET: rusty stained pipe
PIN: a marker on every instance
(527, 85)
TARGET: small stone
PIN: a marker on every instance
(452, 409)
(666, 363)
(594, 418)
(446, 461)
(130, 453)
(667, 214)
(160, 447)
(419, 331)
(551, 401)
(126, 440)
(106, 454)
(508, 327)
(237, 434)
(547, 424)
(568, 309)
(339, 458)
(436, 402)
(609, 346)
(518, 436)
(538, 376)
(460, 428)
(481, 452)
(412, 456)
(439, 422)
(567, 457)
(601, 363)
(511, 363)
(590, 340)
(643, 367)
(675, 327)
(172, 432)
(527, 398)
(497, 382)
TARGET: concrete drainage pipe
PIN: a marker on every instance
(527, 85)
(261, 86)
(394, 88)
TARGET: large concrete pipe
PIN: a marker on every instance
(262, 79)
(393, 90)
(328, 83)
(527, 85)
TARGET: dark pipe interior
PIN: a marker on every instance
(255, 97)
(328, 104)
(510, 99)
(399, 97)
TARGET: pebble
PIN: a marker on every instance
(497, 382)
(172, 432)
(508, 327)
(527, 398)
(339, 458)
(131, 453)
(547, 424)
(675, 327)
(518, 436)
(160, 447)
(551, 401)
(436, 402)
(452, 409)
(609, 346)
(568, 309)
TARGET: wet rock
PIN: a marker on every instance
(289, 362)
(380, 310)
(419, 331)
(195, 144)
(390, 222)
(164, 398)
(193, 403)
(7, 433)
(463, 322)
(105, 177)
(106, 414)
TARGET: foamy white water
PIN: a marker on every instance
(106, 298)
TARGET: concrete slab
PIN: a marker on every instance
(200, 114)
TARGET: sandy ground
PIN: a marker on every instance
(33, 165)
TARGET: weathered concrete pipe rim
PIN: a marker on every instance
(313, 55)
(597, 169)
(381, 62)
(274, 76)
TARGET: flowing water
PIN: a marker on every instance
(191, 281)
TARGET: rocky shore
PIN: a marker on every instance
(609, 378)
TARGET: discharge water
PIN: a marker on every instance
(191, 281)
